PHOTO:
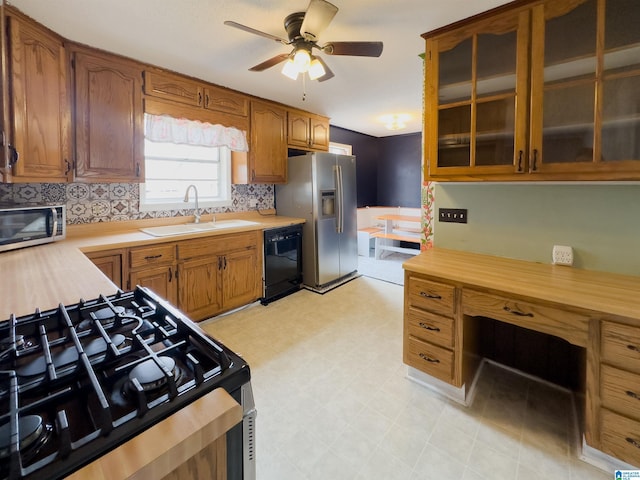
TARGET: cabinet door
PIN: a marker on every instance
(319, 134)
(159, 279)
(199, 290)
(585, 87)
(240, 278)
(41, 108)
(298, 133)
(475, 91)
(173, 87)
(268, 152)
(109, 119)
(222, 100)
(110, 264)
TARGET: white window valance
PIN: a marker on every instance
(164, 128)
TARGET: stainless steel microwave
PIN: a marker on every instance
(24, 225)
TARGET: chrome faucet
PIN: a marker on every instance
(196, 213)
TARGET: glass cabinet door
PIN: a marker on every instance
(585, 86)
(472, 98)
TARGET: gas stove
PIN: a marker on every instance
(79, 380)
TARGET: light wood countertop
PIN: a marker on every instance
(158, 450)
(609, 293)
(59, 272)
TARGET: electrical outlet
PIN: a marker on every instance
(562, 255)
(453, 215)
(253, 202)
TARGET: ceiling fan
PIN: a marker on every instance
(303, 30)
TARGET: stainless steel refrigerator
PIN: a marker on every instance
(321, 189)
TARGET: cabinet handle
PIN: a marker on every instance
(170, 274)
(534, 167)
(152, 257)
(429, 359)
(199, 98)
(635, 348)
(206, 100)
(430, 295)
(225, 263)
(520, 160)
(517, 312)
(632, 394)
(426, 326)
(633, 442)
(138, 169)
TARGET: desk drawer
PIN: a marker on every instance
(620, 437)
(620, 345)
(571, 326)
(153, 255)
(430, 327)
(620, 391)
(432, 296)
(431, 359)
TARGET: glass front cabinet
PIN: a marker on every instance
(545, 91)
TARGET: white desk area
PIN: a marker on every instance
(383, 228)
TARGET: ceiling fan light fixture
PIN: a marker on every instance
(302, 60)
(316, 70)
(290, 70)
(395, 121)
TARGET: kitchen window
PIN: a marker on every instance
(181, 152)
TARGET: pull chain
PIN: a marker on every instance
(304, 87)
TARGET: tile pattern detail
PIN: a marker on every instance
(107, 202)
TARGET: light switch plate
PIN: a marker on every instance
(562, 255)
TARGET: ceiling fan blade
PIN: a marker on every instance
(318, 17)
(327, 71)
(356, 49)
(255, 32)
(270, 63)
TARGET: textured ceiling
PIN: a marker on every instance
(188, 36)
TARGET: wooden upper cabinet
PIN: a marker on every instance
(307, 131)
(267, 157)
(39, 103)
(570, 113)
(476, 98)
(185, 90)
(109, 118)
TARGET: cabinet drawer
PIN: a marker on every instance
(153, 255)
(431, 359)
(620, 391)
(217, 245)
(432, 296)
(430, 327)
(571, 326)
(620, 345)
(620, 436)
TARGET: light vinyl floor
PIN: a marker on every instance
(334, 402)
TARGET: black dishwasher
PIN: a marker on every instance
(282, 262)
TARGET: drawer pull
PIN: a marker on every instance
(426, 326)
(633, 442)
(152, 257)
(429, 359)
(430, 295)
(632, 394)
(635, 348)
(517, 312)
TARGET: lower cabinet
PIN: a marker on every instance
(110, 263)
(160, 279)
(200, 287)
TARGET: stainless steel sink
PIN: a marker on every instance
(185, 228)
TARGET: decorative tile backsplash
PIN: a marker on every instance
(107, 202)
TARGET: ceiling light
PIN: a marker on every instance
(302, 60)
(316, 70)
(290, 69)
(395, 121)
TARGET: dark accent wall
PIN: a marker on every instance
(399, 170)
(388, 168)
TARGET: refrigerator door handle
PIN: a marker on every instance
(340, 199)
